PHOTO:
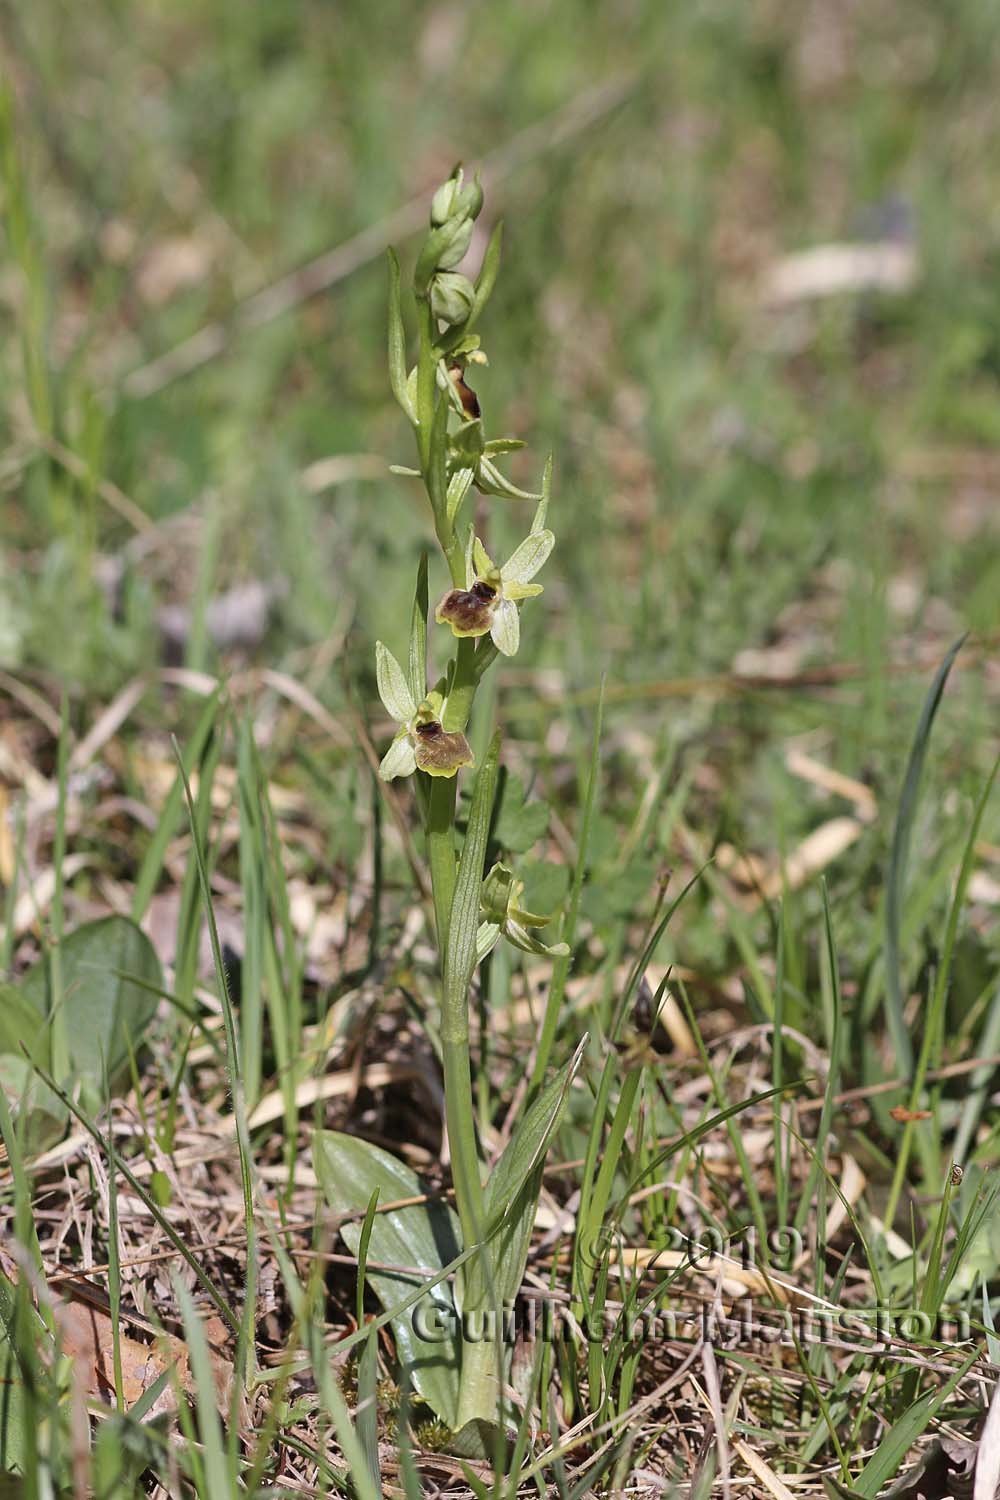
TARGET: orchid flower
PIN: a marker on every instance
(489, 602)
(420, 744)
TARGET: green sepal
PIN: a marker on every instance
(503, 445)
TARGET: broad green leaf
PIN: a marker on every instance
(519, 823)
(459, 486)
(21, 1025)
(424, 1235)
(111, 980)
(511, 1194)
(46, 1115)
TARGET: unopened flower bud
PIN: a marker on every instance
(452, 296)
(443, 202)
(456, 198)
(458, 235)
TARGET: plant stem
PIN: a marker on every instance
(441, 853)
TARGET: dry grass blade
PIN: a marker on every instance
(762, 1471)
(988, 1460)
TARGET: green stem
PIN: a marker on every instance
(463, 687)
(441, 853)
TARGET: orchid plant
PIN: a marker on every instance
(462, 1374)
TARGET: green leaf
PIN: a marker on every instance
(519, 823)
(111, 979)
(418, 635)
(21, 1025)
(460, 957)
(46, 1116)
(511, 1195)
(18, 1325)
(885, 1461)
(896, 881)
(423, 1235)
(397, 343)
(542, 510)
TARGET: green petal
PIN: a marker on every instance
(487, 937)
(525, 562)
(528, 918)
(484, 564)
(506, 628)
(399, 760)
(393, 688)
(517, 591)
(519, 937)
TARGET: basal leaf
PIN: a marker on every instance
(511, 1194)
(21, 1025)
(421, 1235)
(110, 978)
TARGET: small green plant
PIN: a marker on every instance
(458, 1366)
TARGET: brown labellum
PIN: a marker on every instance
(470, 611)
(439, 751)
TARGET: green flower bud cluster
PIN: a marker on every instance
(454, 209)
